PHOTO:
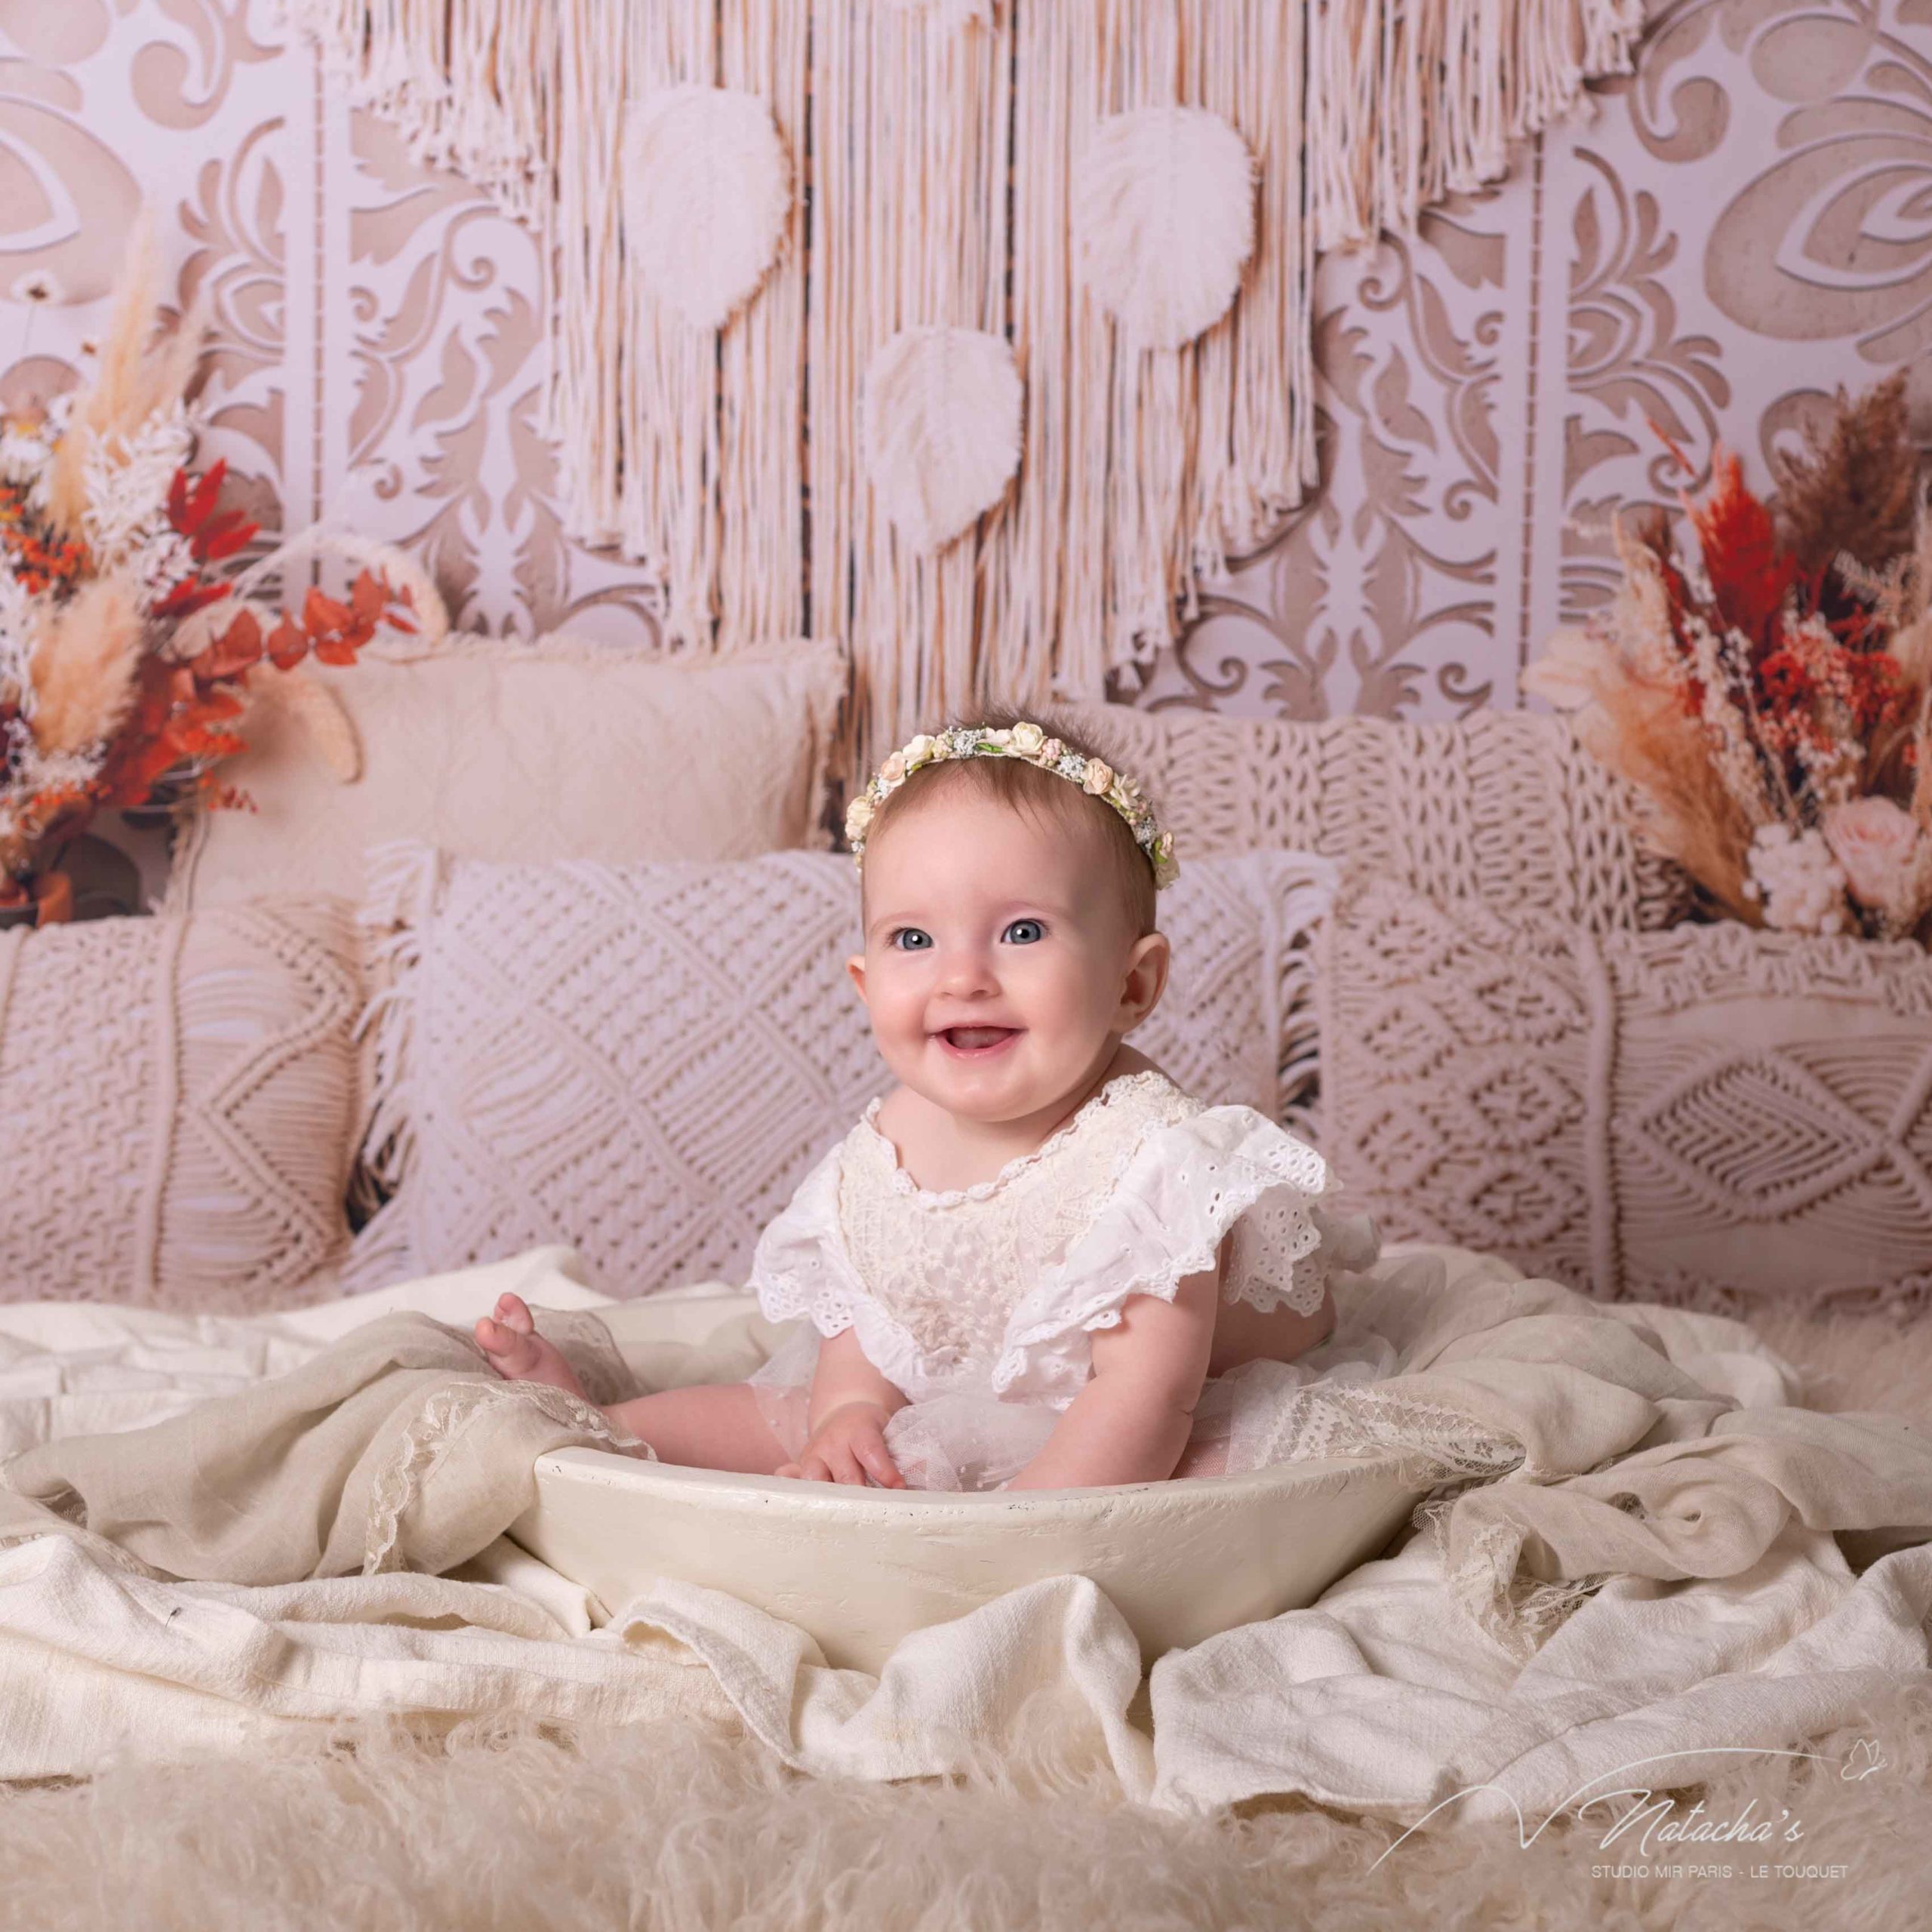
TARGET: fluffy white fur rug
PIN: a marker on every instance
(685, 1827)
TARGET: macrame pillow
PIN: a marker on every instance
(178, 1104)
(645, 1060)
(1503, 807)
(1710, 1117)
(502, 750)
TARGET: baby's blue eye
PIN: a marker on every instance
(916, 940)
(1026, 932)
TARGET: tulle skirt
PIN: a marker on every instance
(971, 1439)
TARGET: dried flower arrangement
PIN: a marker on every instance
(130, 620)
(1771, 701)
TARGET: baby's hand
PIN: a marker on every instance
(849, 1444)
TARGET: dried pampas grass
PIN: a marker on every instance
(84, 669)
(1856, 490)
(1617, 680)
(135, 379)
(326, 725)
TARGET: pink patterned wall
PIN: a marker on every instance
(1744, 226)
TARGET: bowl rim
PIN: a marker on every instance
(1316, 1473)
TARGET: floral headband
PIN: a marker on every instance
(1027, 741)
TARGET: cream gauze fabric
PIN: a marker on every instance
(978, 1304)
(645, 1060)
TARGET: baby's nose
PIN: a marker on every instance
(967, 972)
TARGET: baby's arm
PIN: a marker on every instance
(844, 1375)
(1132, 1420)
(850, 1403)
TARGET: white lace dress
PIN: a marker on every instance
(978, 1302)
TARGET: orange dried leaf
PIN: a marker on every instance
(368, 596)
(287, 645)
(321, 614)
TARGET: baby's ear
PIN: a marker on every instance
(856, 967)
(1146, 975)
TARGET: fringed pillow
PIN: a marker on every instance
(645, 1060)
(1503, 807)
(505, 750)
(178, 1104)
(1711, 1117)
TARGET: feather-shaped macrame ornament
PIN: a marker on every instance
(707, 188)
(1165, 215)
(940, 420)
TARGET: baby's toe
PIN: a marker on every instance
(514, 1313)
(503, 1346)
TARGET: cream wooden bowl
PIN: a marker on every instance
(860, 1569)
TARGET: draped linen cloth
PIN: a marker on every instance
(1652, 1534)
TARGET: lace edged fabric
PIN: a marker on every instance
(1178, 1192)
(443, 1417)
(796, 1273)
(583, 1338)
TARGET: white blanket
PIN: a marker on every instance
(1382, 1697)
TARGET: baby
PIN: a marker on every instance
(1035, 1262)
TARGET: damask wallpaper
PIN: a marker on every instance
(1741, 226)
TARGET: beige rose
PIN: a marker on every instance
(921, 748)
(858, 816)
(1876, 844)
(1028, 738)
(893, 769)
(1099, 776)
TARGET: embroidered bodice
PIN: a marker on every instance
(998, 1286)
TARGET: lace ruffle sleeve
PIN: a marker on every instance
(800, 1267)
(1183, 1187)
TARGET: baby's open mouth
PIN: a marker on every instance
(976, 1040)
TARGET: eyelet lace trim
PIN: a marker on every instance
(443, 1417)
(902, 1183)
(1055, 1338)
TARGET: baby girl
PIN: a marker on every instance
(1035, 1262)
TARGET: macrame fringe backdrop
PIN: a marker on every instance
(943, 149)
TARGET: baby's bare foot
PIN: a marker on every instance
(518, 1353)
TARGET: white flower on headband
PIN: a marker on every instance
(1030, 741)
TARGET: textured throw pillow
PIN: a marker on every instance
(1710, 1117)
(502, 750)
(178, 1106)
(645, 1060)
(1501, 806)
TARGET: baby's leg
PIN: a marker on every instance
(712, 1425)
(715, 1426)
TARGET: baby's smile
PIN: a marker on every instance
(977, 1042)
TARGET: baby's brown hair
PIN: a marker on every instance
(1024, 786)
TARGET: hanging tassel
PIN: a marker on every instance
(1412, 100)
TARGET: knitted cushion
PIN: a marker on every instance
(497, 750)
(1710, 1117)
(178, 1103)
(1503, 806)
(645, 1060)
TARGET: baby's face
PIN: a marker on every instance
(999, 969)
